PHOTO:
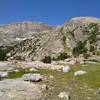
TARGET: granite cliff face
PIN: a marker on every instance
(34, 41)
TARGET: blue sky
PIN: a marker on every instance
(52, 12)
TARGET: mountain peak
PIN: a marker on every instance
(86, 19)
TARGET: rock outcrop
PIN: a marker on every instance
(17, 89)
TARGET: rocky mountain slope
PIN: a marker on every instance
(17, 31)
(35, 41)
(82, 33)
(12, 34)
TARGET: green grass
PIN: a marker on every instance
(92, 78)
(80, 87)
(18, 74)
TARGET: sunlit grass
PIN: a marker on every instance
(82, 86)
(18, 74)
(61, 81)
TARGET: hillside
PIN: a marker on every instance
(12, 34)
(78, 36)
(42, 62)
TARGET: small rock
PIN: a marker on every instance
(84, 65)
(32, 77)
(51, 76)
(32, 69)
(10, 69)
(3, 74)
(72, 62)
(16, 70)
(80, 72)
(81, 62)
(67, 59)
(44, 87)
(66, 69)
(98, 90)
(64, 95)
(89, 98)
(45, 78)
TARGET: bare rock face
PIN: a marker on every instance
(17, 89)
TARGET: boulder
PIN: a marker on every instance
(32, 77)
(66, 69)
(3, 74)
(80, 72)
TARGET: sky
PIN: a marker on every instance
(52, 12)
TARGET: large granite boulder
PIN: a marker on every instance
(32, 77)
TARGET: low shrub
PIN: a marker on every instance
(62, 56)
(47, 59)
